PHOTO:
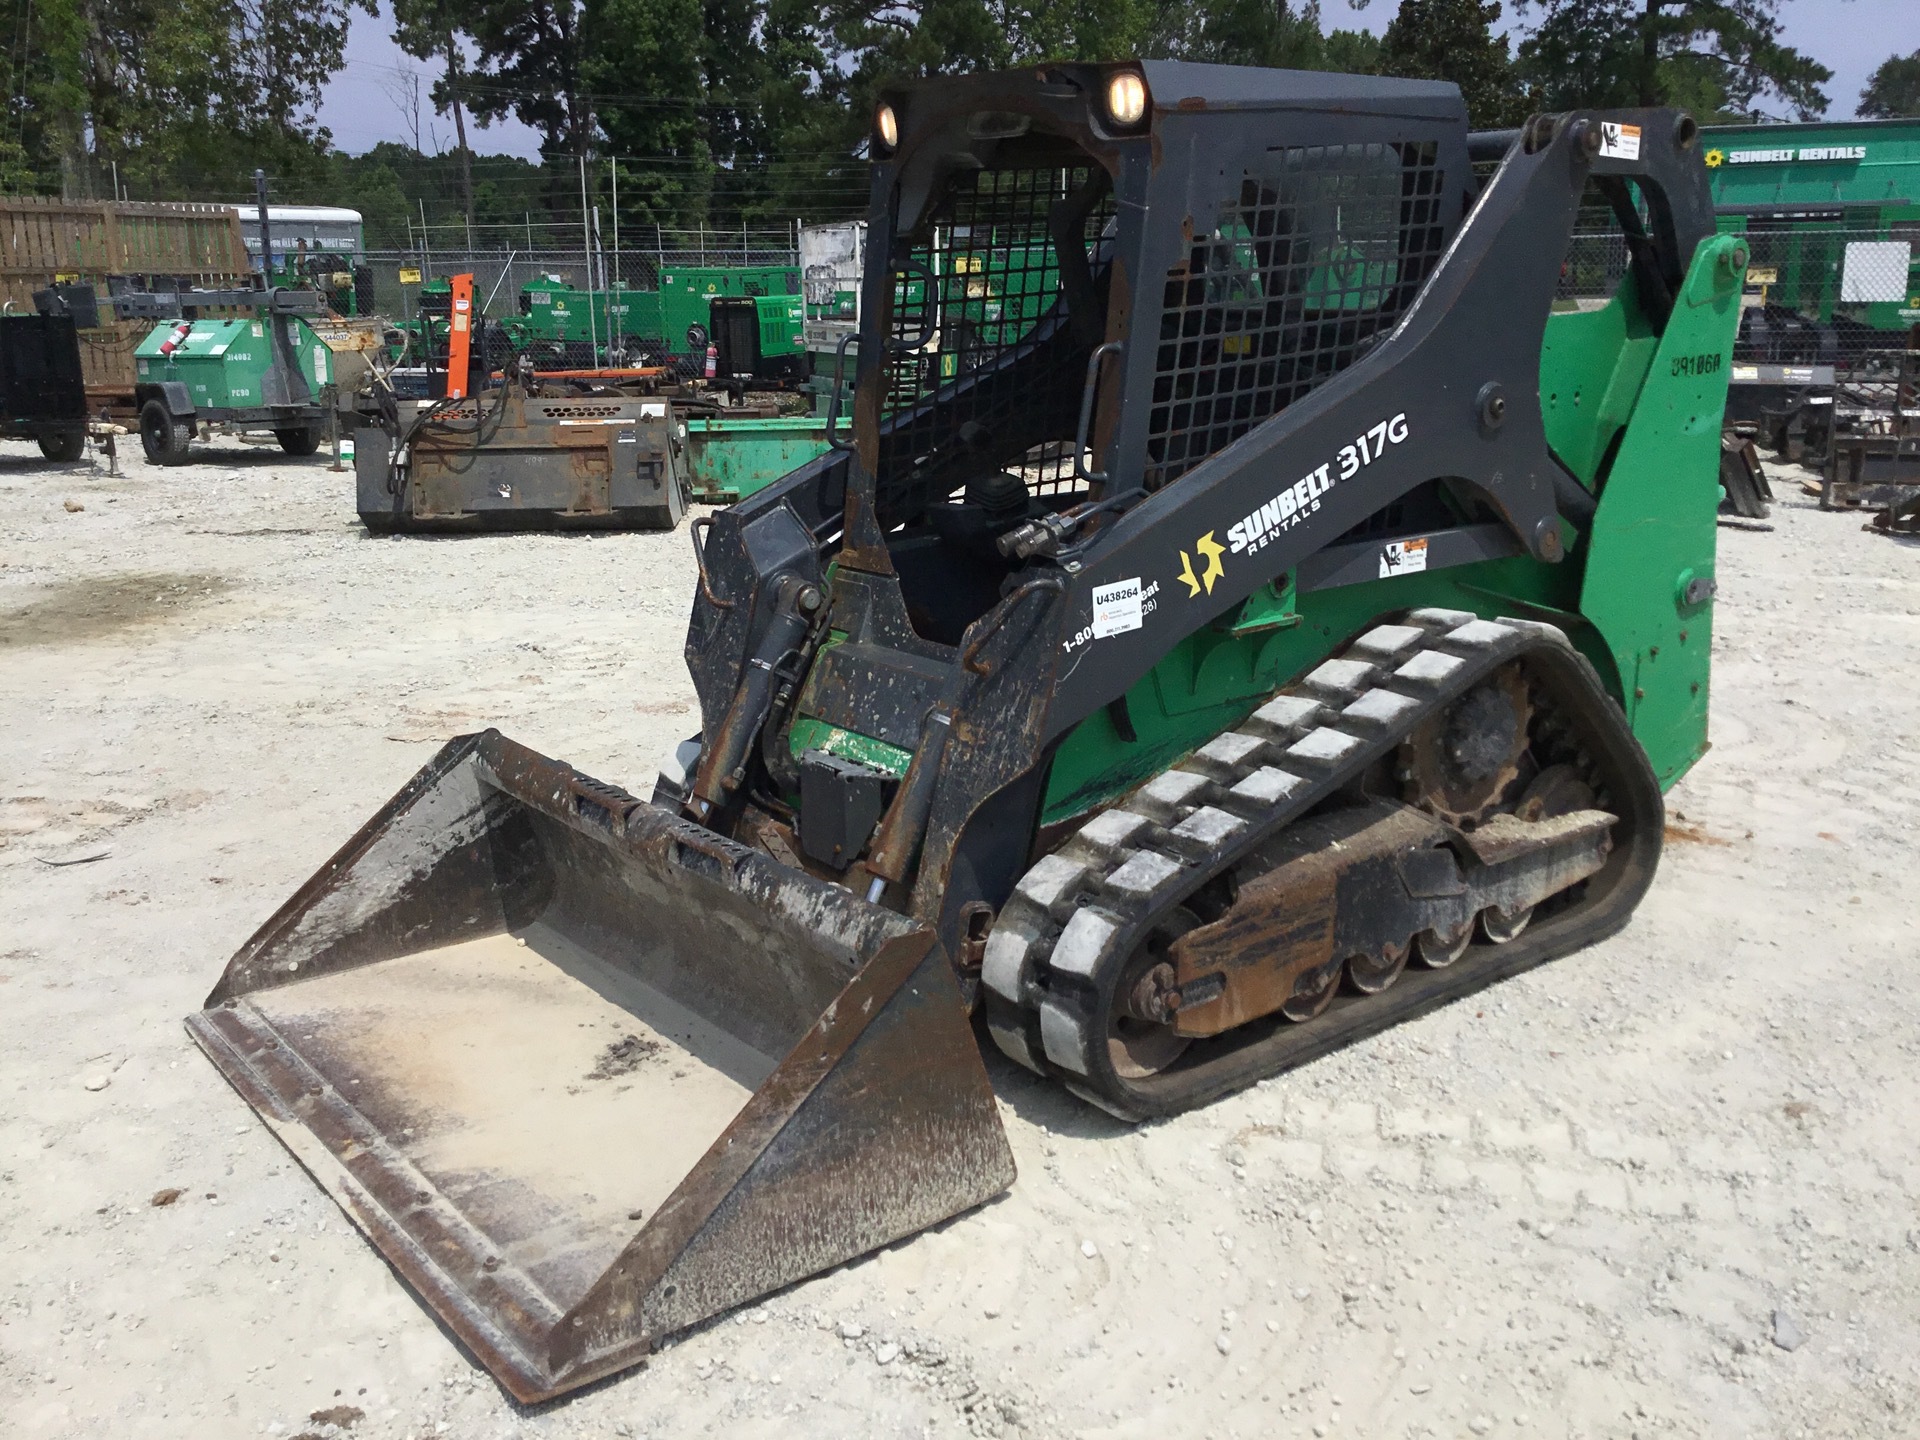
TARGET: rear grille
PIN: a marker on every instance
(1320, 252)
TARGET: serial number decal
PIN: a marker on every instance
(1302, 498)
(1708, 364)
(1117, 608)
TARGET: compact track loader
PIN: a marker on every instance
(1242, 613)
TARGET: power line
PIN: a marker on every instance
(473, 85)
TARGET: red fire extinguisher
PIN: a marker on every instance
(713, 361)
(178, 338)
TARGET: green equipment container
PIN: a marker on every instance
(732, 459)
(224, 363)
(557, 313)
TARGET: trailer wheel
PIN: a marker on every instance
(63, 445)
(300, 440)
(161, 436)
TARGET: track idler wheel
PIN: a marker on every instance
(1140, 1035)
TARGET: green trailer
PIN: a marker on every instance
(198, 375)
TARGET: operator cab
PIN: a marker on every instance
(1020, 231)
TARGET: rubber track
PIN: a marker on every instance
(1058, 948)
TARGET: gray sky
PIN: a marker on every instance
(362, 108)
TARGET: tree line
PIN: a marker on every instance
(742, 112)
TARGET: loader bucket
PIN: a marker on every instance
(587, 1074)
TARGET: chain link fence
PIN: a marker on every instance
(1846, 298)
(502, 270)
(1842, 297)
(1594, 267)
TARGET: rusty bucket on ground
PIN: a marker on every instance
(587, 1074)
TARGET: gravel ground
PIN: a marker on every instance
(1664, 1187)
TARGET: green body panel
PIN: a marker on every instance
(1616, 596)
(731, 459)
(223, 363)
(1655, 529)
(810, 734)
(783, 324)
(1215, 678)
(1591, 368)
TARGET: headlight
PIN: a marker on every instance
(887, 125)
(1126, 97)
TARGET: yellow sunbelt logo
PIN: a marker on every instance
(1210, 551)
(1715, 159)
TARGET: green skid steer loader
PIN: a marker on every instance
(1290, 627)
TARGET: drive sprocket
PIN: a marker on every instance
(1461, 763)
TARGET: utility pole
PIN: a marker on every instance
(1650, 53)
(460, 129)
(586, 244)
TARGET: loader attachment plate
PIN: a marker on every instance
(587, 1074)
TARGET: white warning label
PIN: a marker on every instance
(1402, 557)
(1116, 608)
(1619, 142)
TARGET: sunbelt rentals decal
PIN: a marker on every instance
(1300, 499)
(1210, 570)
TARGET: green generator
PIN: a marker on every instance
(197, 375)
(554, 313)
(679, 320)
(759, 337)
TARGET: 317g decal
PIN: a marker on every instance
(1302, 498)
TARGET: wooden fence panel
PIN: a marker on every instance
(42, 238)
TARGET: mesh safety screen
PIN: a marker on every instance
(1319, 252)
(982, 299)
